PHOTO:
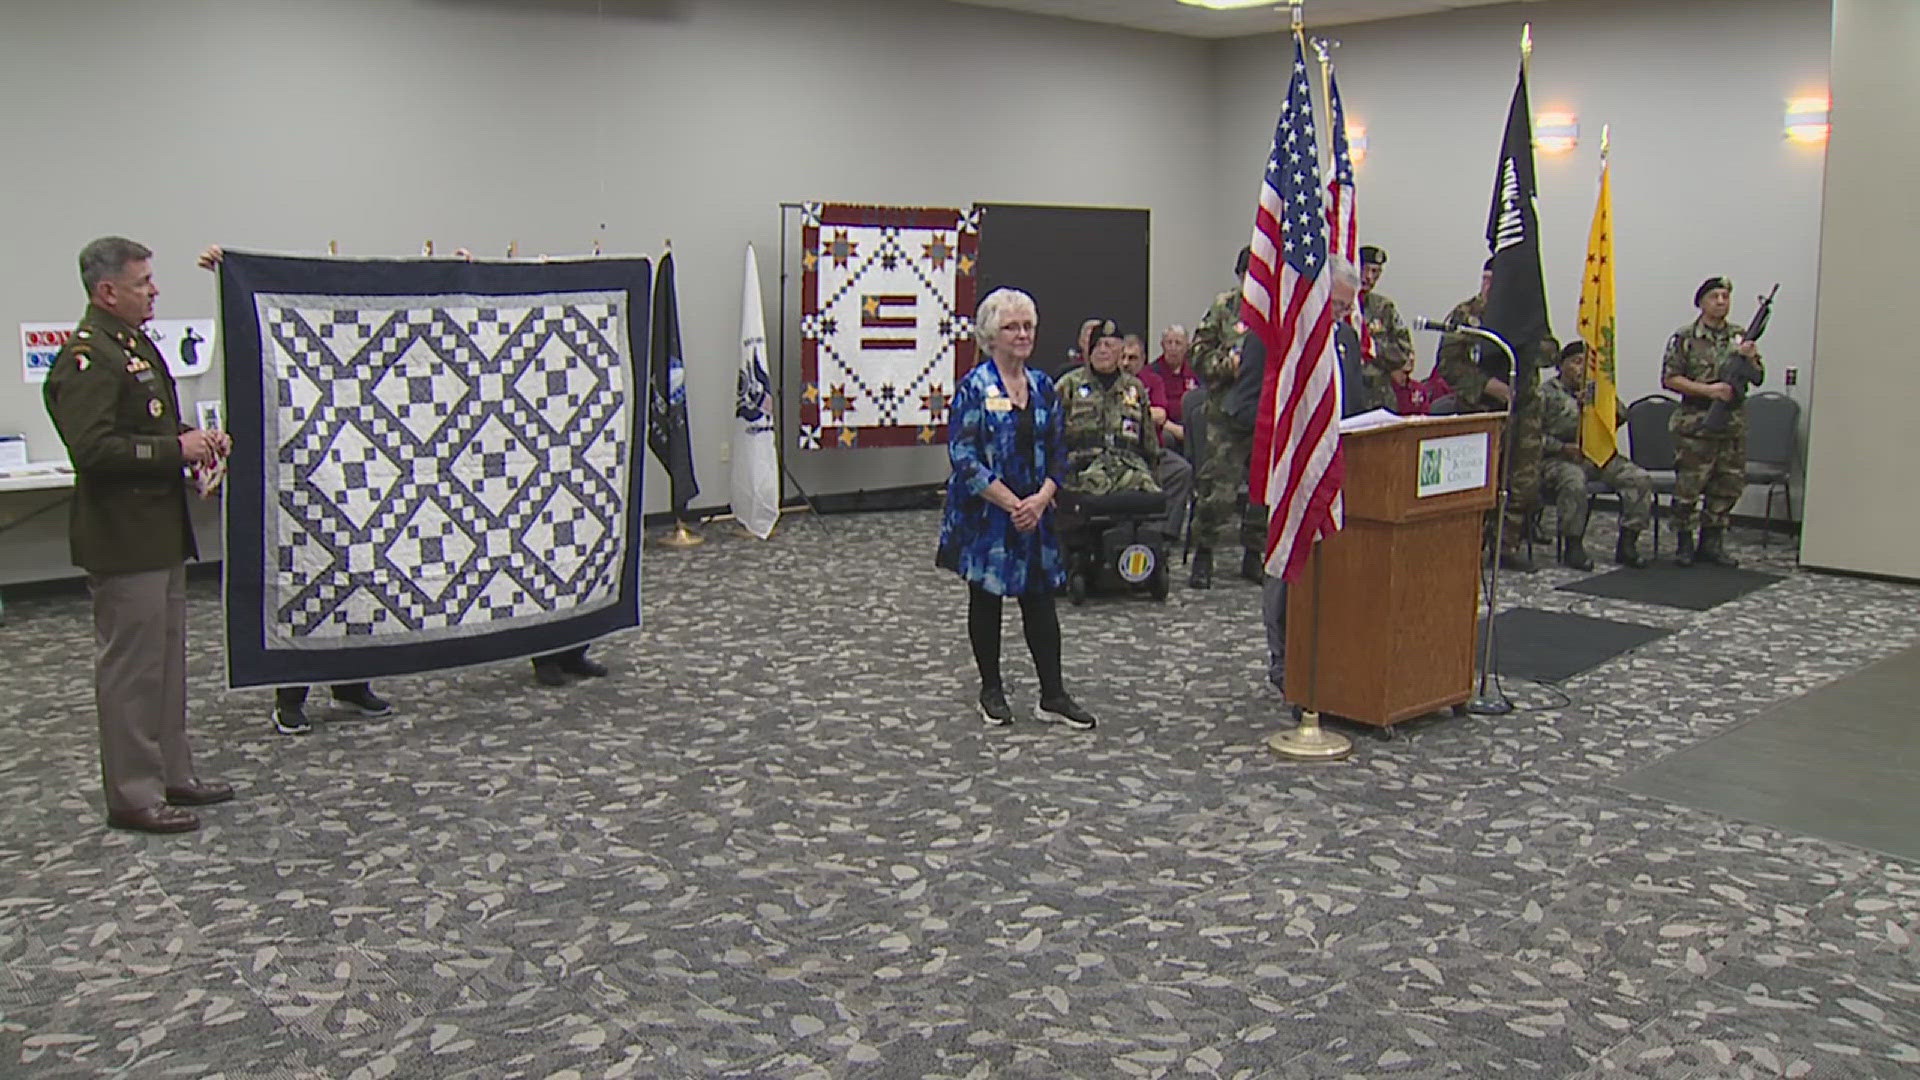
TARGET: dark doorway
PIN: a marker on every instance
(1076, 262)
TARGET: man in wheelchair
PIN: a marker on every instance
(1112, 511)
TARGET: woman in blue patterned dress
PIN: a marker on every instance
(1009, 457)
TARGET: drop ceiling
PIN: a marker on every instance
(1172, 17)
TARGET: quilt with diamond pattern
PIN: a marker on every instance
(886, 322)
(435, 463)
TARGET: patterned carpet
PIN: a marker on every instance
(777, 842)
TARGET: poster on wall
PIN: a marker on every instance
(886, 322)
(187, 345)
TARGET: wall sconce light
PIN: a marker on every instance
(1807, 120)
(1556, 133)
(1356, 142)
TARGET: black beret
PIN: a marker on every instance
(1373, 256)
(1101, 328)
(1240, 263)
(1709, 285)
(1574, 348)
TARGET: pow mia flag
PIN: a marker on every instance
(1517, 301)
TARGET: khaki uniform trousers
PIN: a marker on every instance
(140, 684)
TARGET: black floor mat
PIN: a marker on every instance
(1696, 588)
(1551, 646)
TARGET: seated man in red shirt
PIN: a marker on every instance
(1177, 376)
(1174, 472)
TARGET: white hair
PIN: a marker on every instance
(1176, 328)
(1341, 270)
(993, 311)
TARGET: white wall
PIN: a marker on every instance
(1703, 180)
(1861, 514)
(282, 124)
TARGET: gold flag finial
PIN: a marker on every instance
(427, 248)
(333, 247)
(1606, 139)
(1299, 9)
(513, 248)
(1526, 43)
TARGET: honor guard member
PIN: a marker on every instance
(1392, 341)
(1229, 447)
(113, 402)
(1111, 445)
(1565, 468)
(1713, 463)
(1465, 365)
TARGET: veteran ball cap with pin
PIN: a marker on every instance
(1372, 256)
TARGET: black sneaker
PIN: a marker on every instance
(994, 708)
(291, 720)
(363, 701)
(1065, 710)
(549, 673)
(582, 665)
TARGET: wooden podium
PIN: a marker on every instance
(1398, 589)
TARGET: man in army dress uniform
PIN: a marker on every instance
(1216, 359)
(1566, 468)
(1465, 368)
(1392, 341)
(113, 401)
(1714, 463)
(1111, 446)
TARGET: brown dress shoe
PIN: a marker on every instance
(154, 819)
(198, 792)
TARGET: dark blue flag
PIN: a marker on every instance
(667, 433)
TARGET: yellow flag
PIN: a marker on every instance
(1599, 410)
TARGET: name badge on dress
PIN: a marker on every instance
(999, 404)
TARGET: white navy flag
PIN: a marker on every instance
(756, 452)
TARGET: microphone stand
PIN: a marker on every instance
(1484, 703)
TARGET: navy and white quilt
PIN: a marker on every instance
(434, 463)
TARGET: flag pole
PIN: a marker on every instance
(1323, 51)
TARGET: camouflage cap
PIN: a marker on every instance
(1372, 256)
(1709, 285)
(1573, 348)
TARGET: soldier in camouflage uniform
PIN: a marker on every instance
(1216, 359)
(1566, 468)
(1460, 364)
(1111, 445)
(1392, 341)
(1711, 462)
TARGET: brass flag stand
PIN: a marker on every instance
(1309, 741)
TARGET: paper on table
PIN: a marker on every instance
(1366, 420)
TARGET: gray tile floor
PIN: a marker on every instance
(777, 843)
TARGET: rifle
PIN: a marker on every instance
(1739, 372)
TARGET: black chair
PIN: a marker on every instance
(1114, 541)
(1773, 429)
(1193, 417)
(1651, 446)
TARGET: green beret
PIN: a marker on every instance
(1373, 256)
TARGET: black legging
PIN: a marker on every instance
(1038, 618)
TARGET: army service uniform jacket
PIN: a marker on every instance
(113, 401)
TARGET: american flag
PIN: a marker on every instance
(1343, 224)
(1297, 467)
